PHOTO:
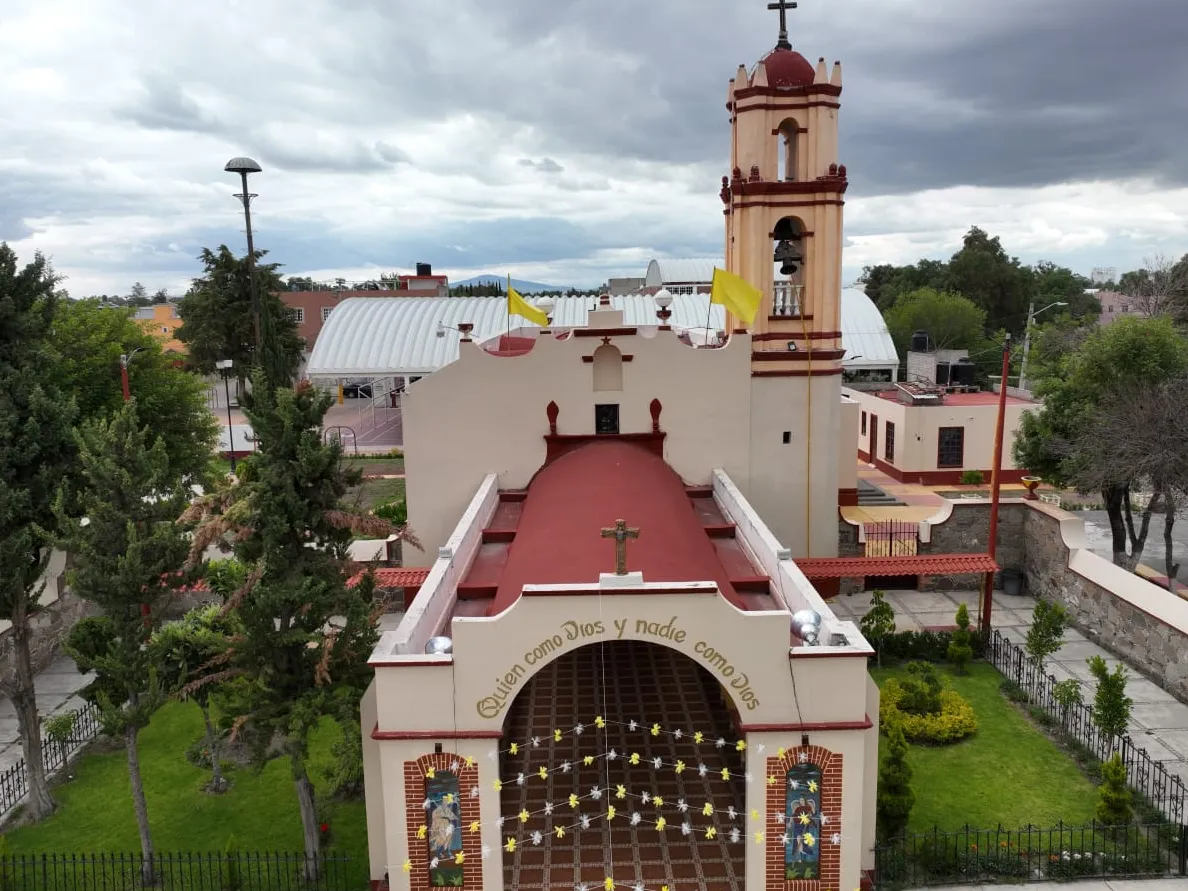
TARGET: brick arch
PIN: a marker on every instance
(468, 808)
(830, 764)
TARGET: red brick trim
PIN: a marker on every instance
(435, 734)
(864, 724)
(468, 807)
(831, 808)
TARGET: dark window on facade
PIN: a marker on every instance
(864, 423)
(950, 447)
(889, 443)
(606, 419)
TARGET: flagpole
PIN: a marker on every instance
(507, 306)
(709, 308)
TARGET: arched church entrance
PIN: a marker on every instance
(651, 790)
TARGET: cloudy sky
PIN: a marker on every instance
(567, 140)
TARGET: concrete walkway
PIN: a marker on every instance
(1158, 721)
(1156, 884)
(57, 688)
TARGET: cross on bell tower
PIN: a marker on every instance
(783, 6)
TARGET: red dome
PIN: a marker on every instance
(788, 68)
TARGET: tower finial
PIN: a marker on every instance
(783, 6)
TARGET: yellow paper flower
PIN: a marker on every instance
(556, 736)
(808, 839)
(758, 838)
(407, 866)
(514, 749)
(698, 736)
(608, 883)
(599, 723)
(740, 746)
(804, 819)
(421, 830)
(620, 791)
(812, 784)
(498, 784)
(430, 773)
(707, 809)
(559, 832)
(610, 812)
(680, 767)
(634, 759)
(780, 752)
(711, 833)
(524, 815)
(475, 826)
(543, 773)
(725, 773)
(468, 761)
(771, 781)
(754, 815)
(588, 760)
(448, 798)
(510, 847)
(658, 800)
(663, 888)
(655, 730)
(460, 857)
(660, 824)
(573, 800)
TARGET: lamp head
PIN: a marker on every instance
(439, 646)
(242, 165)
(807, 624)
(663, 298)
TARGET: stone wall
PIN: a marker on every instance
(968, 527)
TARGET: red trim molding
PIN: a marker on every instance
(805, 318)
(589, 360)
(798, 335)
(604, 332)
(412, 663)
(938, 477)
(829, 185)
(798, 372)
(847, 497)
(796, 355)
(435, 734)
(603, 592)
(820, 727)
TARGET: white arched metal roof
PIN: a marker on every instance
(378, 336)
(864, 333)
(685, 272)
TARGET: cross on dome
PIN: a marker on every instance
(620, 533)
(783, 6)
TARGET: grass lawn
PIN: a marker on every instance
(1008, 772)
(371, 493)
(95, 808)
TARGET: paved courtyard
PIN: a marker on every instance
(57, 688)
(1159, 721)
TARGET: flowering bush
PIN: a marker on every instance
(955, 720)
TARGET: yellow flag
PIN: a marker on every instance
(518, 306)
(740, 298)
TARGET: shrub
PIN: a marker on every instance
(1046, 634)
(972, 478)
(960, 651)
(394, 511)
(60, 728)
(895, 798)
(926, 646)
(1067, 694)
(878, 624)
(954, 721)
(921, 690)
(1113, 798)
(1111, 705)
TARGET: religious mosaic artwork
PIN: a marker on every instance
(802, 852)
(444, 830)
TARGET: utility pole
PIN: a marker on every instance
(995, 490)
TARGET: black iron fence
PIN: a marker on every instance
(891, 538)
(1164, 790)
(14, 782)
(1060, 853)
(234, 871)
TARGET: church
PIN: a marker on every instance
(617, 673)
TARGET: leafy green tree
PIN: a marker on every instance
(878, 624)
(184, 652)
(218, 323)
(960, 647)
(983, 273)
(1052, 284)
(292, 668)
(1067, 694)
(885, 284)
(87, 341)
(952, 321)
(1111, 705)
(1045, 637)
(1113, 798)
(921, 689)
(36, 448)
(1057, 441)
(128, 549)
(895, 798)
(138, 296)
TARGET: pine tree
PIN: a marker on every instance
(128, 548)
(1046, 634)
(878, 624)
(292, 668)
(960, 649)
(1111, 705)
(36, 447)
(895, 798)
(1113, 798)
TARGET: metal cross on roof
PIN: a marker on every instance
(620, 533)
(783, 6)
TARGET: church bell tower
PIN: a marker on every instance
(783, 209)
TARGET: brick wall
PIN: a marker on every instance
(830, 764)
(414, 799)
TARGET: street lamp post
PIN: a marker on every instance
(225, 366)
(245, 166)
(125, 358)
(1031, 314)
(995, 491)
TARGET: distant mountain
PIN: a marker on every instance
(524, 287)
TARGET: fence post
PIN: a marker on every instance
(1183, 850)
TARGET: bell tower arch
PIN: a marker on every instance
(783, 205)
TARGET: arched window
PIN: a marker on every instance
(608, 368)
(802, 851)
(788, 134)
(444, 822)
